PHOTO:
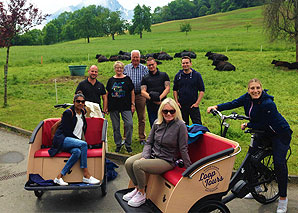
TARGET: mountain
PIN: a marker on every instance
(113, 5)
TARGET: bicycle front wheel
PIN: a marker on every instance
(267, 191)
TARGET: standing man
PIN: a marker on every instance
(155, 86)
(136, 71)
(188, 91)
(92, 89)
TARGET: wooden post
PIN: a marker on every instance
(41, 60)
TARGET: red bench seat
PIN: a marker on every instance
(93, 137)
(91, 153)
(207, 144)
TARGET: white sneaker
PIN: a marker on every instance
(60, 182)
(137, 200)
(91, 180)
(249, 195)
(282, 206)
(129, 195)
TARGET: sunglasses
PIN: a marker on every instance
(172, 111)
(80, 101)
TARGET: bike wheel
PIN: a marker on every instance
(38, 193)
(213, 206)
(267, 191)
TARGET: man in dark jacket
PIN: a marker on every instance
(188, 91)
(154, 87)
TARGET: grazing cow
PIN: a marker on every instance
(124, 53)
(216, 56)
(101, 58)
(113, 58)
(223, 66)
(164, 56)
(185, 53)
(281, 63)
(293, 66)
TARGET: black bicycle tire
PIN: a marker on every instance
(269, 189)
(211, 206)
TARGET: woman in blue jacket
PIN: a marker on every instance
(263, 114)
(68, 138)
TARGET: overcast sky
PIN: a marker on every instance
(51, 6)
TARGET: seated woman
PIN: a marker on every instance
(68, 139)
(263, 114)
(166, 142)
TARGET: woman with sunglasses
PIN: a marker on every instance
(165, 144)
(68, 138)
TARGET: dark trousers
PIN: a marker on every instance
(194, 114)
(280, 147)
(152, 115)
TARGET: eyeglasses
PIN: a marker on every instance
(172, 111)
(80, 101)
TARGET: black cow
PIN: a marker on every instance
(223, 66)
(281, 63)
(113, 58)
(124, 53)
(123, 57)
(102, 58)
(216, 56)
(185, 53)
(164, 56)
(293, 66)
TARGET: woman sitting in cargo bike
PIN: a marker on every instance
(167, 140)
(69, 138)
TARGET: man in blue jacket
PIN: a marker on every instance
(188, 91)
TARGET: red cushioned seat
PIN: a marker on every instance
(90, 153)
(206, 145)
(174, 175)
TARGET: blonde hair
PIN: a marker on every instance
(119, 63)
(173, 104)
(254, 80)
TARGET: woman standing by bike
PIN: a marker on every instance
(263, 114)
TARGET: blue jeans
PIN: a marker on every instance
(78, 149)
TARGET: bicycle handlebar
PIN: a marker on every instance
(63, 105)
(234, 115)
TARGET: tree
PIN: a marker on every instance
(50, 34)
(115, 25)
(185, 27)
(18, 18)
(141, 21)
(281, 20)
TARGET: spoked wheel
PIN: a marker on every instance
(38, 193)
(267, 191)
(213, 206)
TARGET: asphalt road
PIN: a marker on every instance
(13, 197)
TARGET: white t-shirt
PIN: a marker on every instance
(79, 126)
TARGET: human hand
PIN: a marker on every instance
(210, 108)
(243, 126)
(194, 105)
(142, 158)
(133, 108)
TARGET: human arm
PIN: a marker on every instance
(133, 102)
(149, 143)
(211, 107)
(105, 103)
(183, 145)
(175, 93)
(196, 104)
(144, 92)
(68, 124)
(165, 92)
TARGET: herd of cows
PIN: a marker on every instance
(219, 60)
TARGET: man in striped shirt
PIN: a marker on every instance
(136, 71)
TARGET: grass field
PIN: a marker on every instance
(31, 85)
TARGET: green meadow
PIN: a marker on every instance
(31, 85)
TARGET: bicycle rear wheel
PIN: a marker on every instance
(267, 191)
(213, 206)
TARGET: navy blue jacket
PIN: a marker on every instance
(188, 86)
(68, 123)
(262, 112)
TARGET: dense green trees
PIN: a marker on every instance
(141, 21)
(184, 9)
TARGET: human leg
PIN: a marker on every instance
(115, 118)
(195, 115)
(128, 123)
(140, 102)
(185, 114)
(129, 167)
(152, 115)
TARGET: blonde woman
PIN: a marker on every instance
(166, 142)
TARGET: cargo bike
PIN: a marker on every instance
(204, 186)
(40, 162)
